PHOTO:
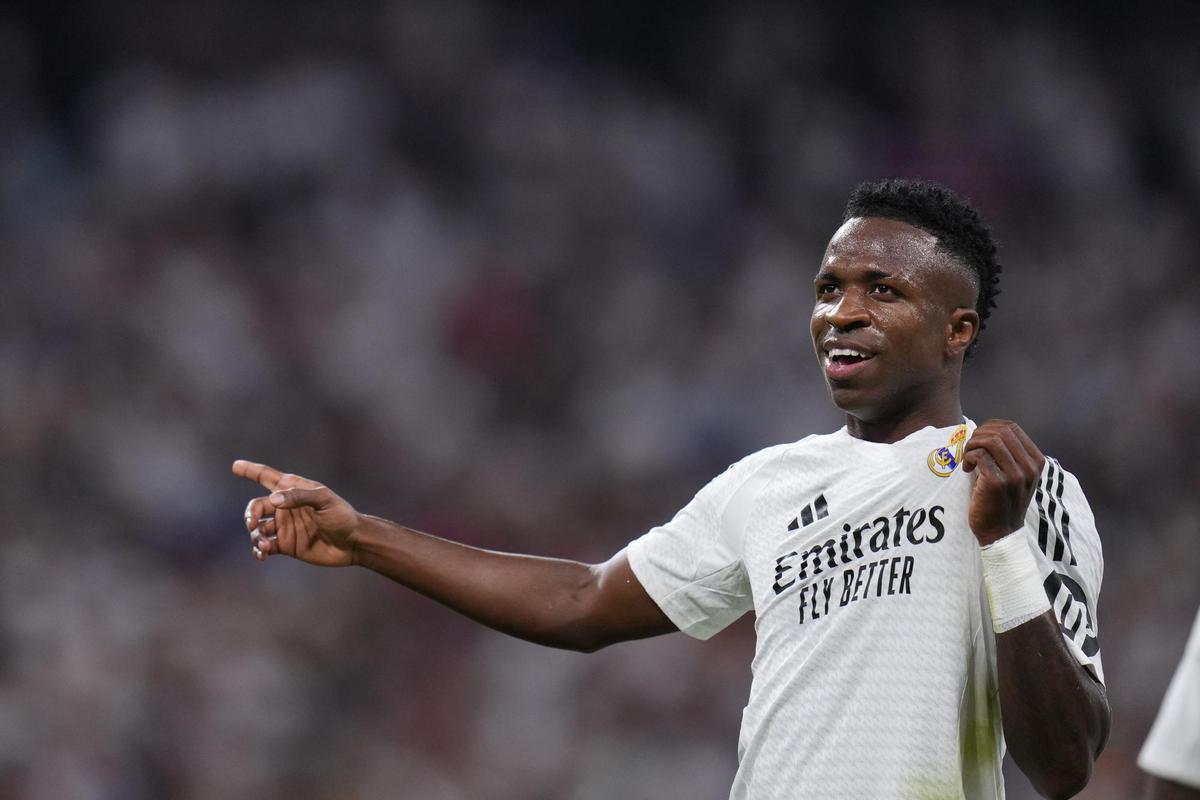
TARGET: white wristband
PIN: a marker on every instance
(1013, 582)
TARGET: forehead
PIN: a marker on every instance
(885, 245)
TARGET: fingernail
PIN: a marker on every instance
(277, 498)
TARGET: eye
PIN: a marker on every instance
(884, 289)
(825, 287)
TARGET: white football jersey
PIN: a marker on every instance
(874, 672)
(1172, 749)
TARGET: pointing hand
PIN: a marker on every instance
(299, 518)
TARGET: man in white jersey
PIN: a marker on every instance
(924, 588)
(1171, 754)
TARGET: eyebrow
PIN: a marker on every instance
(870, 275)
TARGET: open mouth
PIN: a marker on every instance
(841, 362)
(844, 355)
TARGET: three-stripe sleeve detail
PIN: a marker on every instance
(1054, 521)
(1069, 601)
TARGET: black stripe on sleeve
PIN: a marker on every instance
(1043, 523)
(1066, 516)
(1052, 506)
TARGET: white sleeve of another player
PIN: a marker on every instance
(1063, 536)
(1172, 749)
(692, 566)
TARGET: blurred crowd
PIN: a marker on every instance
(524, 279)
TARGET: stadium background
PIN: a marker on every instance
(526, 279)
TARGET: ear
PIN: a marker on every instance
(961, 329)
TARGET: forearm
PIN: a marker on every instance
(553, 602)
(1056, 716)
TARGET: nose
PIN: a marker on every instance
(848, 312)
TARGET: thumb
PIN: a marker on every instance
(294, 498)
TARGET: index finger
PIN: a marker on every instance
(267, 477)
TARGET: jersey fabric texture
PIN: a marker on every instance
(1172, 749)
(874, 671)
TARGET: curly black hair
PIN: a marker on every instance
(954, 221)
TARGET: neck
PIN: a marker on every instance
(887, 429)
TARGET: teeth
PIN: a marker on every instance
(844, 351)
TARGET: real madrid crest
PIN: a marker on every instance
(944, 460)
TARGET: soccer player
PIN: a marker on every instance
(1171, 754)
(924, 588)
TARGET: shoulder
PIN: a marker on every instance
(1059, 491)
(774, 456)
(1059, 502)
(752, 472)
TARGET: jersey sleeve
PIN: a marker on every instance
(692, 566)
(1062, 532)
(1172, 750)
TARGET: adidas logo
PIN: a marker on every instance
(817, 509)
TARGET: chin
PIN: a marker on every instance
(854, 402)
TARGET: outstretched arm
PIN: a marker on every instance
(1055, 714)
(549, 601)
